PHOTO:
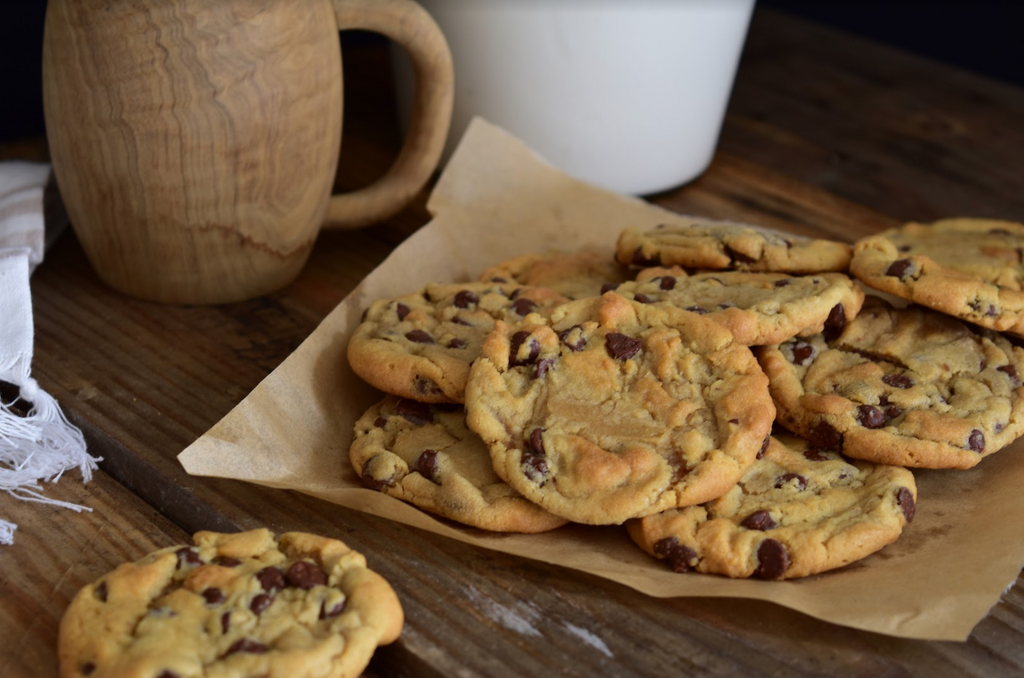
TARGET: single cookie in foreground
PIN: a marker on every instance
(425, 455)
(615, 409)
(967, 268)
(796, 512)
(585, 273)
(758, 308)
(243, 604)
(722, 245)
(911, 387)
(420, 345)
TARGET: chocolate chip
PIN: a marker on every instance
(835, 322)
(815, 454)
(739, 256)
(898, 268)
(270, 578)
(898, 380)
(213, 595)
(87, 668)
(640, 259)
(305, 575)
(167, 673)
(535, 467)
(1010, 371)
(801, 352)
(335, 610)
(524, 306)
(426, 386)
(402, 310)
(801, 482)
(783, 282)
(419, 337)
(680, 557)
(260, 602)
(870, 416)
(516, 357)
(188, 555)
(621, 347)
(414, 411)
(824, 436)
(498, 279)
(573, 338)
(226, 561)
(248, 646)
(904, 248)
(643, 298)
(764, 446)
(608, 287)
(465, 299)
(976, 441)
(457, 343)
(758, 520)
(225, 622)
(426, 465)
(101, 592)
(889, 410)
(772, 559)
(372, 482)
(700, 310)
(543, 366)
(905, 500)
(666, 282)
(459, 320)
(537, 442)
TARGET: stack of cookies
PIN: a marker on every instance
(730, 396)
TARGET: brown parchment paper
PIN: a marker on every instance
(496, 199)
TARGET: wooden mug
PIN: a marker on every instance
(195, 143)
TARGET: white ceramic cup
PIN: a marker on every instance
(626, 94)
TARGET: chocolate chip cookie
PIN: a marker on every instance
(722, 245)
(912, 387)
(614, 409)
(967, 268)
(580, 274)
(241, 605)
(797, 511)
(758, 308)
(420, 346)
(425, 455)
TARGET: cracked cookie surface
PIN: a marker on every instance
(912, 387)
(758, 308)
(721, 245)
(797, 511)
(968, 268)
(580, 274)
(420, 346)
(615, 409)
(242, 604)
(425, 455)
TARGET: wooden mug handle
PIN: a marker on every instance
(413, 28)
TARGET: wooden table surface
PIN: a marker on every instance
(826, 134)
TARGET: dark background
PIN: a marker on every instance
(979, 35)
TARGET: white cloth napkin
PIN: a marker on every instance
(40, 444)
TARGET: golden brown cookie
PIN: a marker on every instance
(243, 604)
(967, 268)
(420, 346)
(615, 409)
(911, 387)
(797, 511)
(425, 455)
(585, 273)
(721, 245)
(758, 308)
